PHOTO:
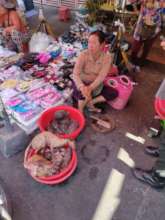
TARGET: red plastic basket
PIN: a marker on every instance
(58, 178)
(75, 114)
(160, 107)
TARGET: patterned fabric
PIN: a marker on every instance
(20, 38)
(162, 13)
(155, 19)
(15, 40)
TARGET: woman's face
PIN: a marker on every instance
(94, 45)
(150, 4)
(2, 10)
(162, 4)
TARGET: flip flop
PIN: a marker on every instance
(94, 109)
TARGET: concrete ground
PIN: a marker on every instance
(103, 185)
(51, 15)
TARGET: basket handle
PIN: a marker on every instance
(125, 80)
(113, 83)
(25, 156)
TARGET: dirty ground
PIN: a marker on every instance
(101, 158)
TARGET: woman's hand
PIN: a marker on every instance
(163, 44)
(7, 31)
(86, 92)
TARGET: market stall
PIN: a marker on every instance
(34, 82)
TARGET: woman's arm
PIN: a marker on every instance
(78, 69)
(163, 44)
(107, 62)
(158, 23)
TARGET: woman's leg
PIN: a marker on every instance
(78, 97)
(146, 48)
(97, 99)
(91, 104)
(136, 45)
(82, 104)
(16, 37)
(107, 94)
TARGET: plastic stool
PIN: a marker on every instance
(64, 13)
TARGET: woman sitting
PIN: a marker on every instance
(13, 33)
(91, 68)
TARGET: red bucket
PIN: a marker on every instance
(75, 114)
(58, 178)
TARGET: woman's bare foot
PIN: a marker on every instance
(81, 105)
(92, 108)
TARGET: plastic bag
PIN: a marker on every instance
(39, 42)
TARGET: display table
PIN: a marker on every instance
(27, 93)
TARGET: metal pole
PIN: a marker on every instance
(7, 123)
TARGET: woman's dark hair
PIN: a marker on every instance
(100, 34)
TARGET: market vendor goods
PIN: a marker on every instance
(49, 139)
(49, 163)
(8, 84)
(23, 86)
(50, 155)
(107, 6)
(13, 32)
(48, 116)
(62, 123)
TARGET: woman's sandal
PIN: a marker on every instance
(102, 123)
(94, 109)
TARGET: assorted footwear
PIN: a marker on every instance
(150, 177)
(152, 151)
